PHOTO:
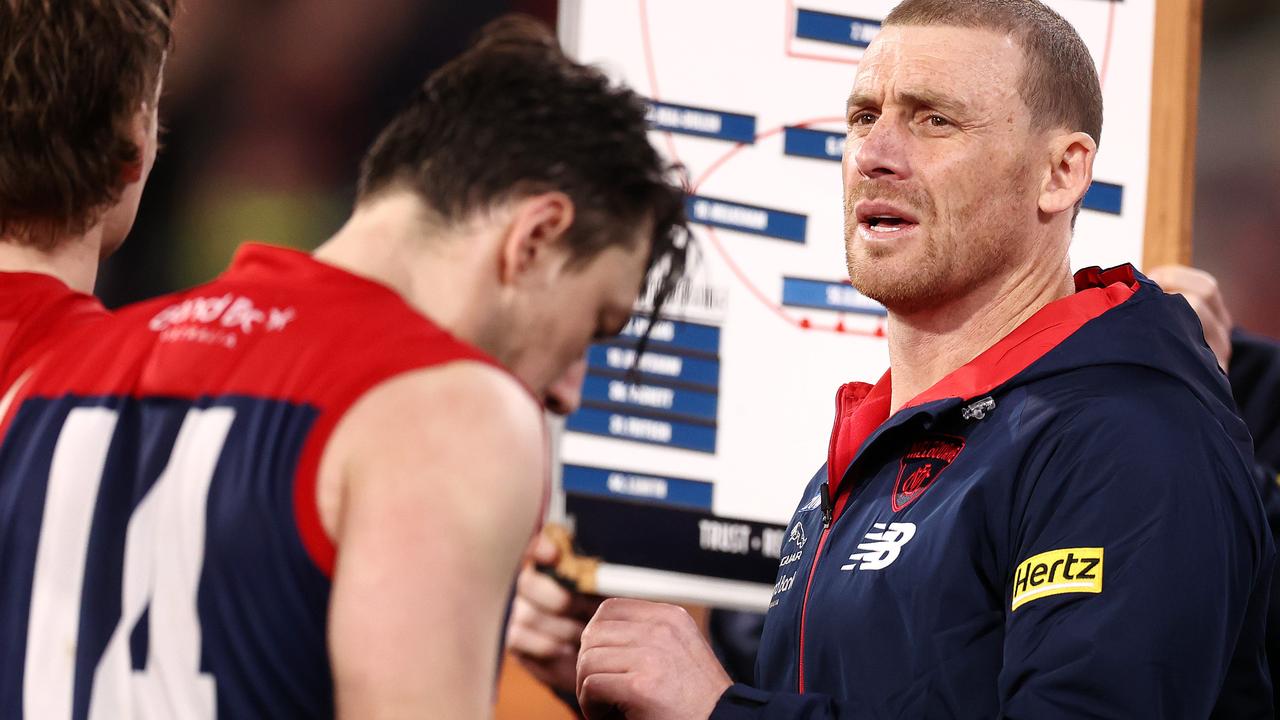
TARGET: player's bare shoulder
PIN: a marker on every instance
(464, 423)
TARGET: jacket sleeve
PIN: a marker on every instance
(1139, 569)
(1255, 385)
(741, 702)
(1267, 481)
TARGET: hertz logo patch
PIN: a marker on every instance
(1070, 570)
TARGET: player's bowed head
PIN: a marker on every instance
(536, 174)
(518, 203)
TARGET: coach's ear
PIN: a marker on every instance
(529, 247)
(1070, 172)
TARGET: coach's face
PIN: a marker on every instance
(938, 182)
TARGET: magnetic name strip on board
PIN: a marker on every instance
(649, 398)
(655, 366)
(1104, 197)
(820, 144)
(654, 431)
(828, 295)
(701, 122)
(753, 219)
(674, 335)
(839, 29)
(636, 487)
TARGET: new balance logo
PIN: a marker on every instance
(881, 546)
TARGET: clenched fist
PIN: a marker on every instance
(647, 661)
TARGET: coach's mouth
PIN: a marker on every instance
(881, 221)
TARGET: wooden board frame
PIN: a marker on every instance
(1175, 88)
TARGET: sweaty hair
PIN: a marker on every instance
(73, 74)
(1059, 80)
(514, 116)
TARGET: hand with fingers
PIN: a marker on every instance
(547, 621)
(647, 661)
(1203, 294)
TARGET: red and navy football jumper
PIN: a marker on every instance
(34, 310)
(161, 553)
(1065, 527)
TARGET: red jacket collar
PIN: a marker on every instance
(862, 408)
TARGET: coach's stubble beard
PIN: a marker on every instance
(952, 254)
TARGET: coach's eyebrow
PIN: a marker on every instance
(857, 99)
(921, 97)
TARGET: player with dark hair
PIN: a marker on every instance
(304, 488)
(76, 146)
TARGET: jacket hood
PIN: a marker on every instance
(1148, 329)
(1115, 317)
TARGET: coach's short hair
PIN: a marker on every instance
(1059, 80)
(514, 116)
(73, 74)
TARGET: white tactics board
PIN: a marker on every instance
(682, 481)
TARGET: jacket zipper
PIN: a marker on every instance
(824, 492)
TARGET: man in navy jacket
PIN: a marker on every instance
(1046, 508)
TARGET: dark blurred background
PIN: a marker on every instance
(268, 106)
(270, 103)
(1237, 213)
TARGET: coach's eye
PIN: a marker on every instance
(938, 121)
(863, 118)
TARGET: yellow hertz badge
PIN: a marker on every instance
(1070, 570)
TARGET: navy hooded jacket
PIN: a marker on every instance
(1066, 526)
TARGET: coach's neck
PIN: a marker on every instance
(928, 344)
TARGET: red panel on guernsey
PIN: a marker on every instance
(35, 309)
(278, 325)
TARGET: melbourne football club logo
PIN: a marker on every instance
(923, 462)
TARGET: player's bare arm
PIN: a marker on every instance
(416, 500)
